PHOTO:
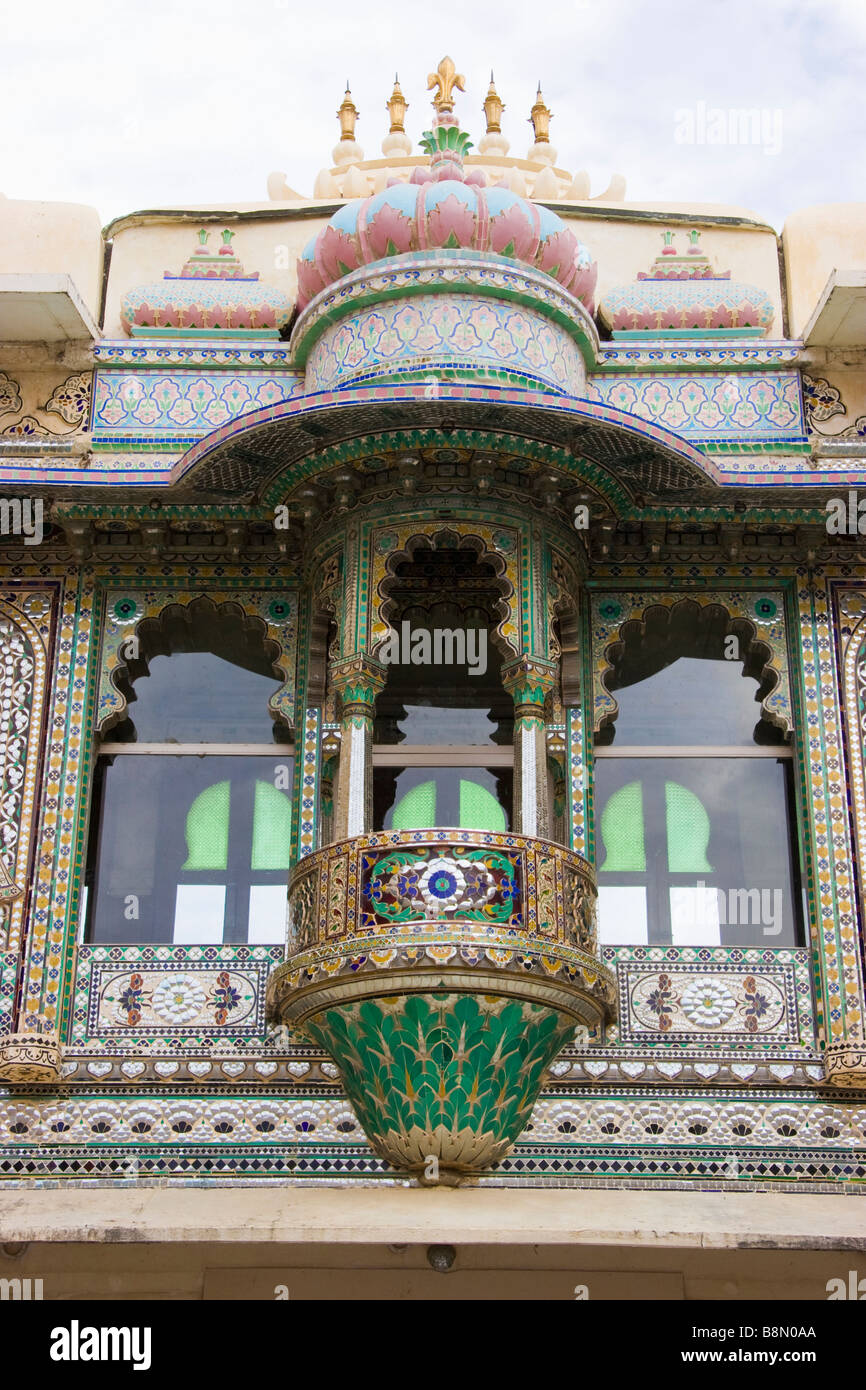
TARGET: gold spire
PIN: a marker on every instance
(493, 109)
(347, 115)
(445, 79)
(397, 106)
(540, 116)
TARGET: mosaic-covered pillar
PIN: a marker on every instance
(29, 1047)
(845, 1052)
(529, 680)
(358, 680)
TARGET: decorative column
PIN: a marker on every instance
(529, 680)
(845, 1051)
(358, 680)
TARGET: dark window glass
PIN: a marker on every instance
(198, 697)
(697, 851)
(691, 701)
(189, 849)
(444, 703)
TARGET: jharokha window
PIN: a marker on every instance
(191, 814)
(694, 794)
(442, 751)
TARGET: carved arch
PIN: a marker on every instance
(393, 545)
(162, 620)
(620, 621)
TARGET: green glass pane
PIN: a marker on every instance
(622, 831)
(417, 809)
(688, 827)
(272, 822)
(479, 809)
(207, 828)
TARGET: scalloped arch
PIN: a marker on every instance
(756, 619)
(393, 543)
(270, 614)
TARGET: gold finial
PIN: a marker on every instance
(540, 116)
(347, 116)
(493, 109)
(445, 79)
(397, 106)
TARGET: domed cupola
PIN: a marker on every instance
(444, 276)
(441, 208)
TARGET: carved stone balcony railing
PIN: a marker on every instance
(443, 970)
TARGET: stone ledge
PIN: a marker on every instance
(408, 1215)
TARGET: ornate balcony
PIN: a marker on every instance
(442, 970)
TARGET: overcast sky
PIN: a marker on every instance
(144, 105)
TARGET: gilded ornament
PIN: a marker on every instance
(444, 80)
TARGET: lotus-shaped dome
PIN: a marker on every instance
(443, 209)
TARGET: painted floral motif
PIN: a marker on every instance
(71, 399)
(495, 336)
(225, 997)
(185, 402)
(10, 395)
(749, 404)
(129, 1001)
(659, 1001)
(757, 1004)
(821, 400)
(448, 886)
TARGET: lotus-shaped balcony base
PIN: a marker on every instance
(448, 1076)
(442, 970)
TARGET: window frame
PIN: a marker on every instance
(652, 880)
(108, 748)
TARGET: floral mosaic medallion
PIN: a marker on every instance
(481, 886)
(709, 1003)
(178, 1000)
(726, 1001)
(449, 1076)
(192, 994)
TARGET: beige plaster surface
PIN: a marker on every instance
(404, 1214)
(53, 238)
(141, 254)
(373, 1243)
(816, 241)
(622, 248)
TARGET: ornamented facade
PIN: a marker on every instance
(454, 392)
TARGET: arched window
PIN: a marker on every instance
(191, 816)
(694, 797)
(442, 753)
